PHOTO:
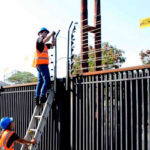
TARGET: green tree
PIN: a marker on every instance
(145, 57)
(19, 77)
(112, 58)
(76, 65)
(91, 58)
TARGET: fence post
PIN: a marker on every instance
(55, 69)
(67, 69)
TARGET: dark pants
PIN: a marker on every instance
(43, 80)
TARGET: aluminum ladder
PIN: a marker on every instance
(38, 122)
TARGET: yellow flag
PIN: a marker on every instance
(145, 22)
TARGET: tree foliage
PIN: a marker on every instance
(145, 57)
(76, 65)
(19, 77)
(112, 58)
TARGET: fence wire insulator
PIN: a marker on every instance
(72, 49)
(72, 42)
(74, 29)
(72, 45)
(72, 56)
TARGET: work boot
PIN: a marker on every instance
(43, 99)
(37, 100)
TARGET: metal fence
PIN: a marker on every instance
(111, 111)
(106, 110)
(17, 102)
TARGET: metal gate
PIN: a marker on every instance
(110, 110)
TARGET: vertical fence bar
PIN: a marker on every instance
(111, 112)
(93, 114)
(94, 111)
(131, 114)
(80, 113)
(90, 93)
(81, 107)
(145, 109)
(143, 114)
(121, 114)
(102, 112)
(51, 130)
(148, 110)
(97, 113)
(87, 118)
(137, 111)
(107, 108)
(116, 112)
(76, 116)
(126, 112)
(84, 115)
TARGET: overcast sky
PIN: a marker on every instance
(20, 20)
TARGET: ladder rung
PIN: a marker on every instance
(37, 117)
(32, 130)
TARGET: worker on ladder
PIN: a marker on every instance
(41, 61)
(8, 137)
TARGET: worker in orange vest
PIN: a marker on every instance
(8, 137)
(41, 62)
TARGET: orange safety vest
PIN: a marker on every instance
(4, 139)
(41, 57)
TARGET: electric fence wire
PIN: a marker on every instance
(85, 37)
(100, 66)
(87, 18)
(98, 58)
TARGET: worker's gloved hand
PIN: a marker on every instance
(33, 141)
(53, 33)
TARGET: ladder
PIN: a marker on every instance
(38, 122)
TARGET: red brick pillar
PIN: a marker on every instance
(84, 35)
(97, 22)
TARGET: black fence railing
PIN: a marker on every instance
(101, 111)
(17, 102)
(111, 111)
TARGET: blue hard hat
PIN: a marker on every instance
(43, 29)
(5, 122)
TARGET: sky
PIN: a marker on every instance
(20, 21)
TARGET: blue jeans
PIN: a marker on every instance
(43, 80)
